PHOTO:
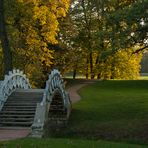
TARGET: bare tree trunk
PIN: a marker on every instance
(96, 64)
(4, 41)
(87, 64)
(91, 65)
(74, 73)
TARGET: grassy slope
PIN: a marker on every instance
(109, 110)
(112, 110)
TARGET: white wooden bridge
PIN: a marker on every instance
(37, 109)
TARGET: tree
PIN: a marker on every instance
(32, 26)
(132, 24)
(4, 40)
(100, 33)
(122, 65)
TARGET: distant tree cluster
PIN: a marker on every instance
(104, 39)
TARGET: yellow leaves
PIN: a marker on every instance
(40, 13)
(34, 24)
(125, 65)
(122, 65)
(50, 37)
(61, 12)
(60, 7)
(47, 15)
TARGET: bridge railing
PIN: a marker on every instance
(54, 82)
(15, 79)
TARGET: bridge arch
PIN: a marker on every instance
(34, 108)
(55, 106)
(15, 79)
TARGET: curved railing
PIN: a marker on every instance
(55, 82)
(14, 80)
(54, 85)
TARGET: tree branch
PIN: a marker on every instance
(141, 49)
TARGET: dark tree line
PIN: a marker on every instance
(4, 40)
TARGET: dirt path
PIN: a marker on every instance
(6, 134)
(73, 92)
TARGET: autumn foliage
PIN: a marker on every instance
(96, 38)
(31, 26)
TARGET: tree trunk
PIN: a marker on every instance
(87, 64)
(99, 76)
(91, 66)
(74, 73)
(4, 41)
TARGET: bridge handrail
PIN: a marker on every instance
(54, 82)
(15, 79)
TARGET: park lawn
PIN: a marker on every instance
(64, 143)
(111, 110)
(111, 114)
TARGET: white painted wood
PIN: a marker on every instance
(14, 80)
(54, 82)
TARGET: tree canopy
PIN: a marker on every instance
(102, 29)
(31, 25)
(97, 38)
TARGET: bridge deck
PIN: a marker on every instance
(20, 107)
(23, 107)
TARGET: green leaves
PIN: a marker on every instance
(102, 30)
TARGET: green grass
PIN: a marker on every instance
(64, 143)
(111, 114)
(111, 110)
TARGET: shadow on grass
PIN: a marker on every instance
(111, 110)
(119, 129)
